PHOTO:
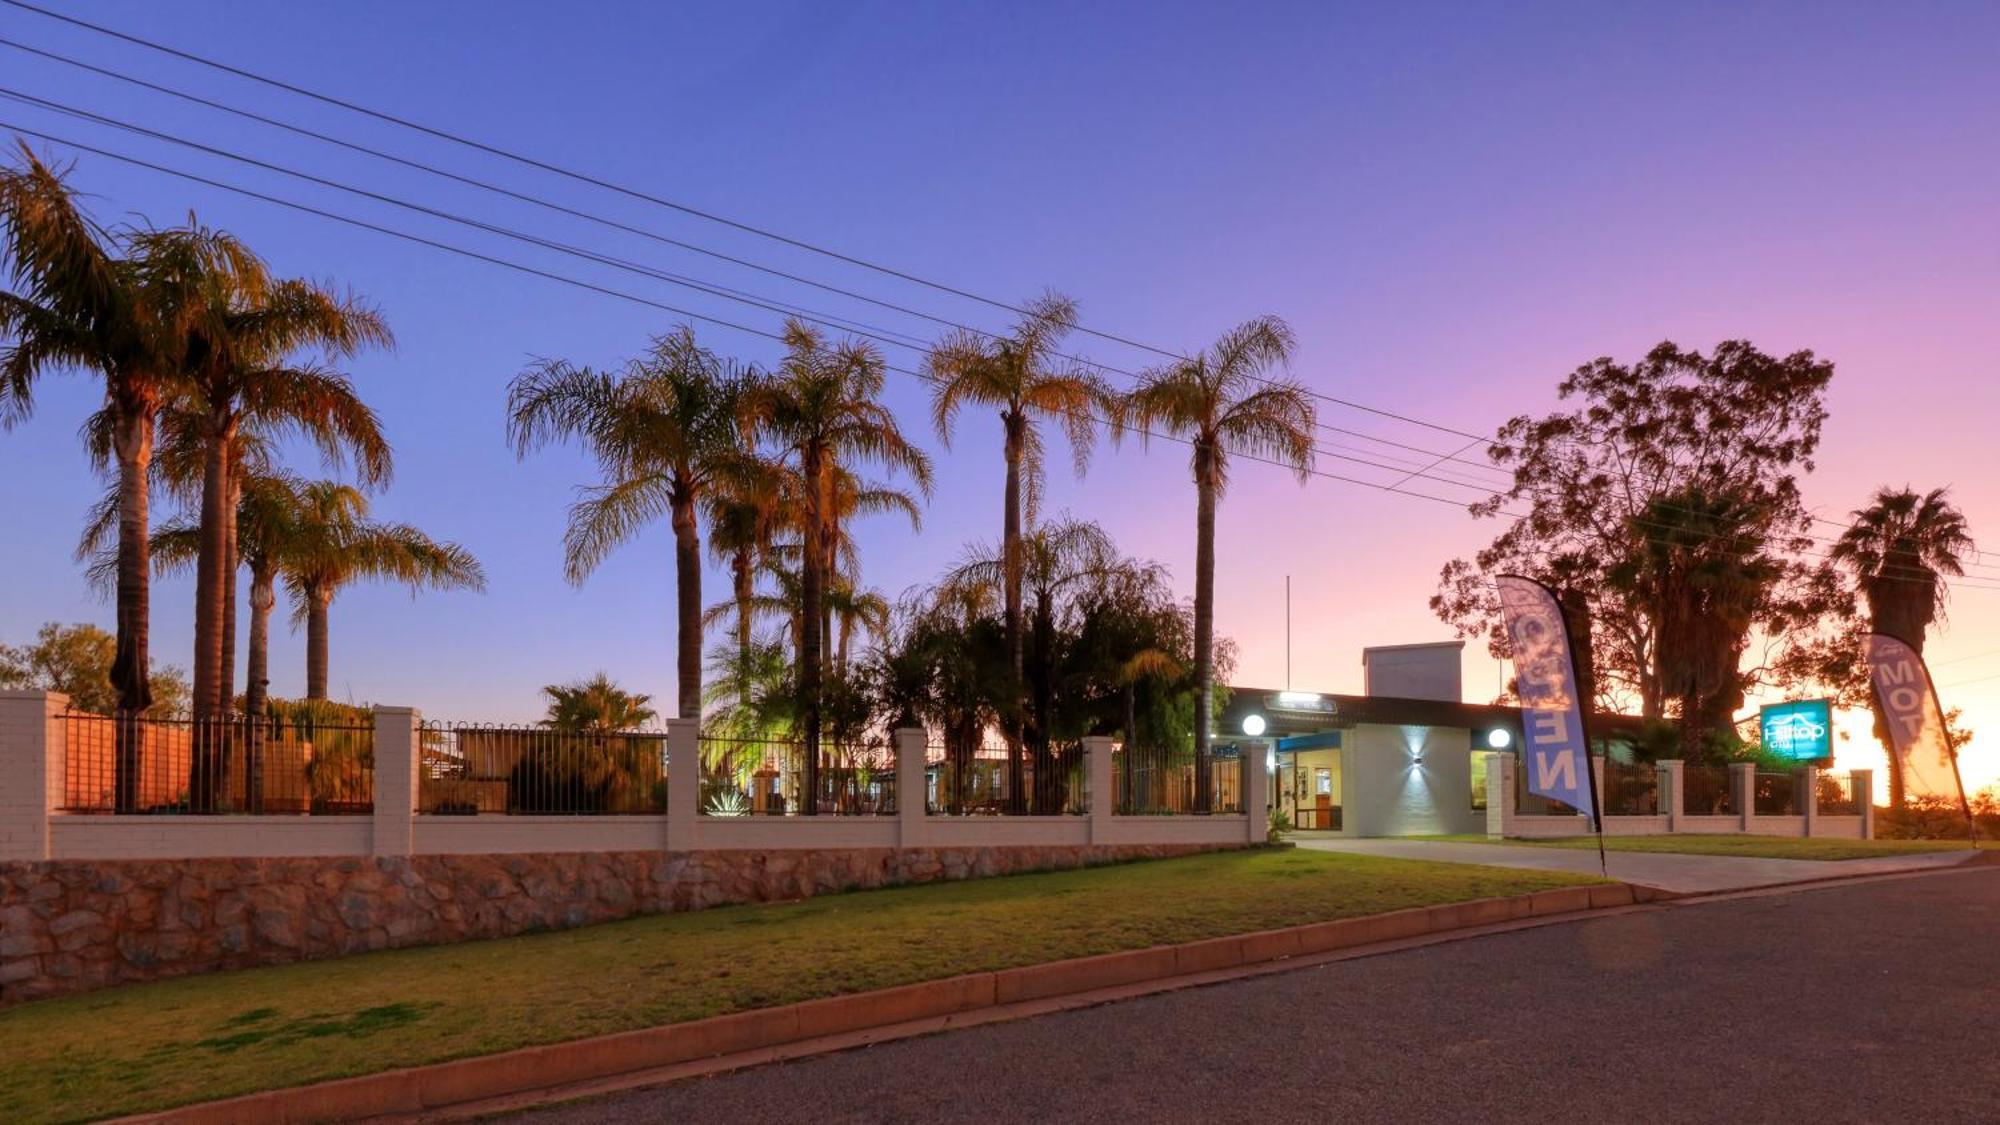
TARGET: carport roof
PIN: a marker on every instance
(1355, 710)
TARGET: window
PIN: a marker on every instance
(1323, 782)
(1479, 782)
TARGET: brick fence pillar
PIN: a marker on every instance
(1500, 810)
(1672, 783)
(912, 786)
(399, 740)
(1808, 797)
(1100, 786)
(1862, 784)
(1743, 782)
(1256, 792)
(31, 770)
(683, 784)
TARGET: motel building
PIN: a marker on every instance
(1407, 758)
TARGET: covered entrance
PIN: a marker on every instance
(1309, 786)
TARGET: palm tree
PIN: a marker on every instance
(234, 350)
(115, 303)
(1055, 558)
(822, 409)
(333, 544)
(661, 432)
(596, 706)
(1023, 377)
(1221, 402)
(744, 508)
(1900, 549)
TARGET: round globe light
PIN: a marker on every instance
(1499, 738)
(1253, 725)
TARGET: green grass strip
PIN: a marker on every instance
(151, 1046)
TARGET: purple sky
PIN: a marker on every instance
(1453, 205)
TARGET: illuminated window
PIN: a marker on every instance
(1478, 783)
(1323, 781)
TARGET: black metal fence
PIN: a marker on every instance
(1836, 795)
(1775, 794)
(1151, 781)
(467, 769)
(1630, 790)
(1708, 791)
(752, 776)
(230, 764)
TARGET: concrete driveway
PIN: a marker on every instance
(1685, 873)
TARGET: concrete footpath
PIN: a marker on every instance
(1684, 874)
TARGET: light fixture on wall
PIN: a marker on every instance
(1499, 738)
(1253, 725)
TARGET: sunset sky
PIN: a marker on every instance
(1453, 205)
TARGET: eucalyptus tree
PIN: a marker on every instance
(663, 430)
(1222, 403)
(333, 544)
(1900, 549)
(1025, 378)
(822, 408)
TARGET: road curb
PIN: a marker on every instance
(422, 1089)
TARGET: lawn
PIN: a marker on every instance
(151, 1046)
(1755, 847)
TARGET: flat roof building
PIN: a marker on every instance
(1408, 758)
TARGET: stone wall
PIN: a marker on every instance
(72, 925)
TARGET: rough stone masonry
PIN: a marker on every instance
(69, 926)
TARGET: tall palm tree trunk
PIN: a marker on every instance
(687, 607)
(318, 603)
(211, 566)
(1205, 619)
(745, 579)
(1016, 424)
(232, 561)
(257, 675)
(133, 445)
(1204, 622)
(209, 758)
(811, 616)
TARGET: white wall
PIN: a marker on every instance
(1387, 791)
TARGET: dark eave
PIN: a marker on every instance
(1356, 710)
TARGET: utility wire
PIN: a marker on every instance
(899, 338)
(750, 330)
(634, 193)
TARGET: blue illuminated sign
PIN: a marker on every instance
(1801, 730)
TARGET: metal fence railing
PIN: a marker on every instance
(1150, 781)
(980, 776)
(473, 769)
(230, 764)
(754, 776)
(1630, 789)
(1533, 804)
(1708, 791)
(1775, 794)
(1835, 793)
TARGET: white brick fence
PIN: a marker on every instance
(34, 827)
(1505, 818)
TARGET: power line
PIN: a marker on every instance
(880, 335)
(737, 326)
(902, 339)
(634, 193)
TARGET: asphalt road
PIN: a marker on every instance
(1868, 1003)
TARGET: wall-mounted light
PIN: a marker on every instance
(1499, 738)
(1253, 725)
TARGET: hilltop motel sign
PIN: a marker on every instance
(1801, 731)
